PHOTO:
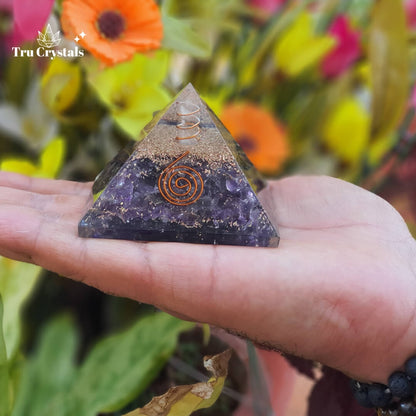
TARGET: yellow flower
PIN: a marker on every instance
(49, 164)
(347, 130)
(300, 48)
(60, 85)
(132, 90)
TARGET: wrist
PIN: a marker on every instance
(396, 398)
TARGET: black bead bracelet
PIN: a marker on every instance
(395, 399)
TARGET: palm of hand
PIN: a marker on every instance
(341, 287)
(355, 265)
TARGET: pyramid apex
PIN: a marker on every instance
(190, 86)
(188, 93)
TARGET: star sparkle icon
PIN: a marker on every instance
(80, 36)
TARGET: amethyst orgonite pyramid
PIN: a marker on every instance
(187, 181)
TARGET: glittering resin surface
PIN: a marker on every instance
(186, 181)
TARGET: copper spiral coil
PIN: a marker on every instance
(189, 121)
(180, 185)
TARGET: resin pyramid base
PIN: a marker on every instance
(228, 212)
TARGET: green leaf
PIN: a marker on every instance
(169, 7)
(209, 15)
(151, 70)
(121, 366)
(116, 370)
(4, 371)
(299, 48)
(17, 77)
(17, 281)
(50, 372)
(359, 9)
(389, 57)
(253, 52)
(179, 36)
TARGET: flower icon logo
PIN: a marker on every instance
(49, 39)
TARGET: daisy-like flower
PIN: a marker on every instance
(113, 30)
(260, 135)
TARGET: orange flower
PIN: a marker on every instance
(113, 30)
(259, 134)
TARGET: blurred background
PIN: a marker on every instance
(305, 87)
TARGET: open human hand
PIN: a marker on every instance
(340, 289)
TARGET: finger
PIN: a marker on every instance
(54, 204)
(319, 202)
(43, 186)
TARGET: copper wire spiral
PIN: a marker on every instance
(189, 121)
(180, 185)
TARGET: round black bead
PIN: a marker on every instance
(360, 392)
(379, 395)
(410, 367)
(389, 411)
(407, 409)
(401, 385)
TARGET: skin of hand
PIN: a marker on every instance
(340, 289)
